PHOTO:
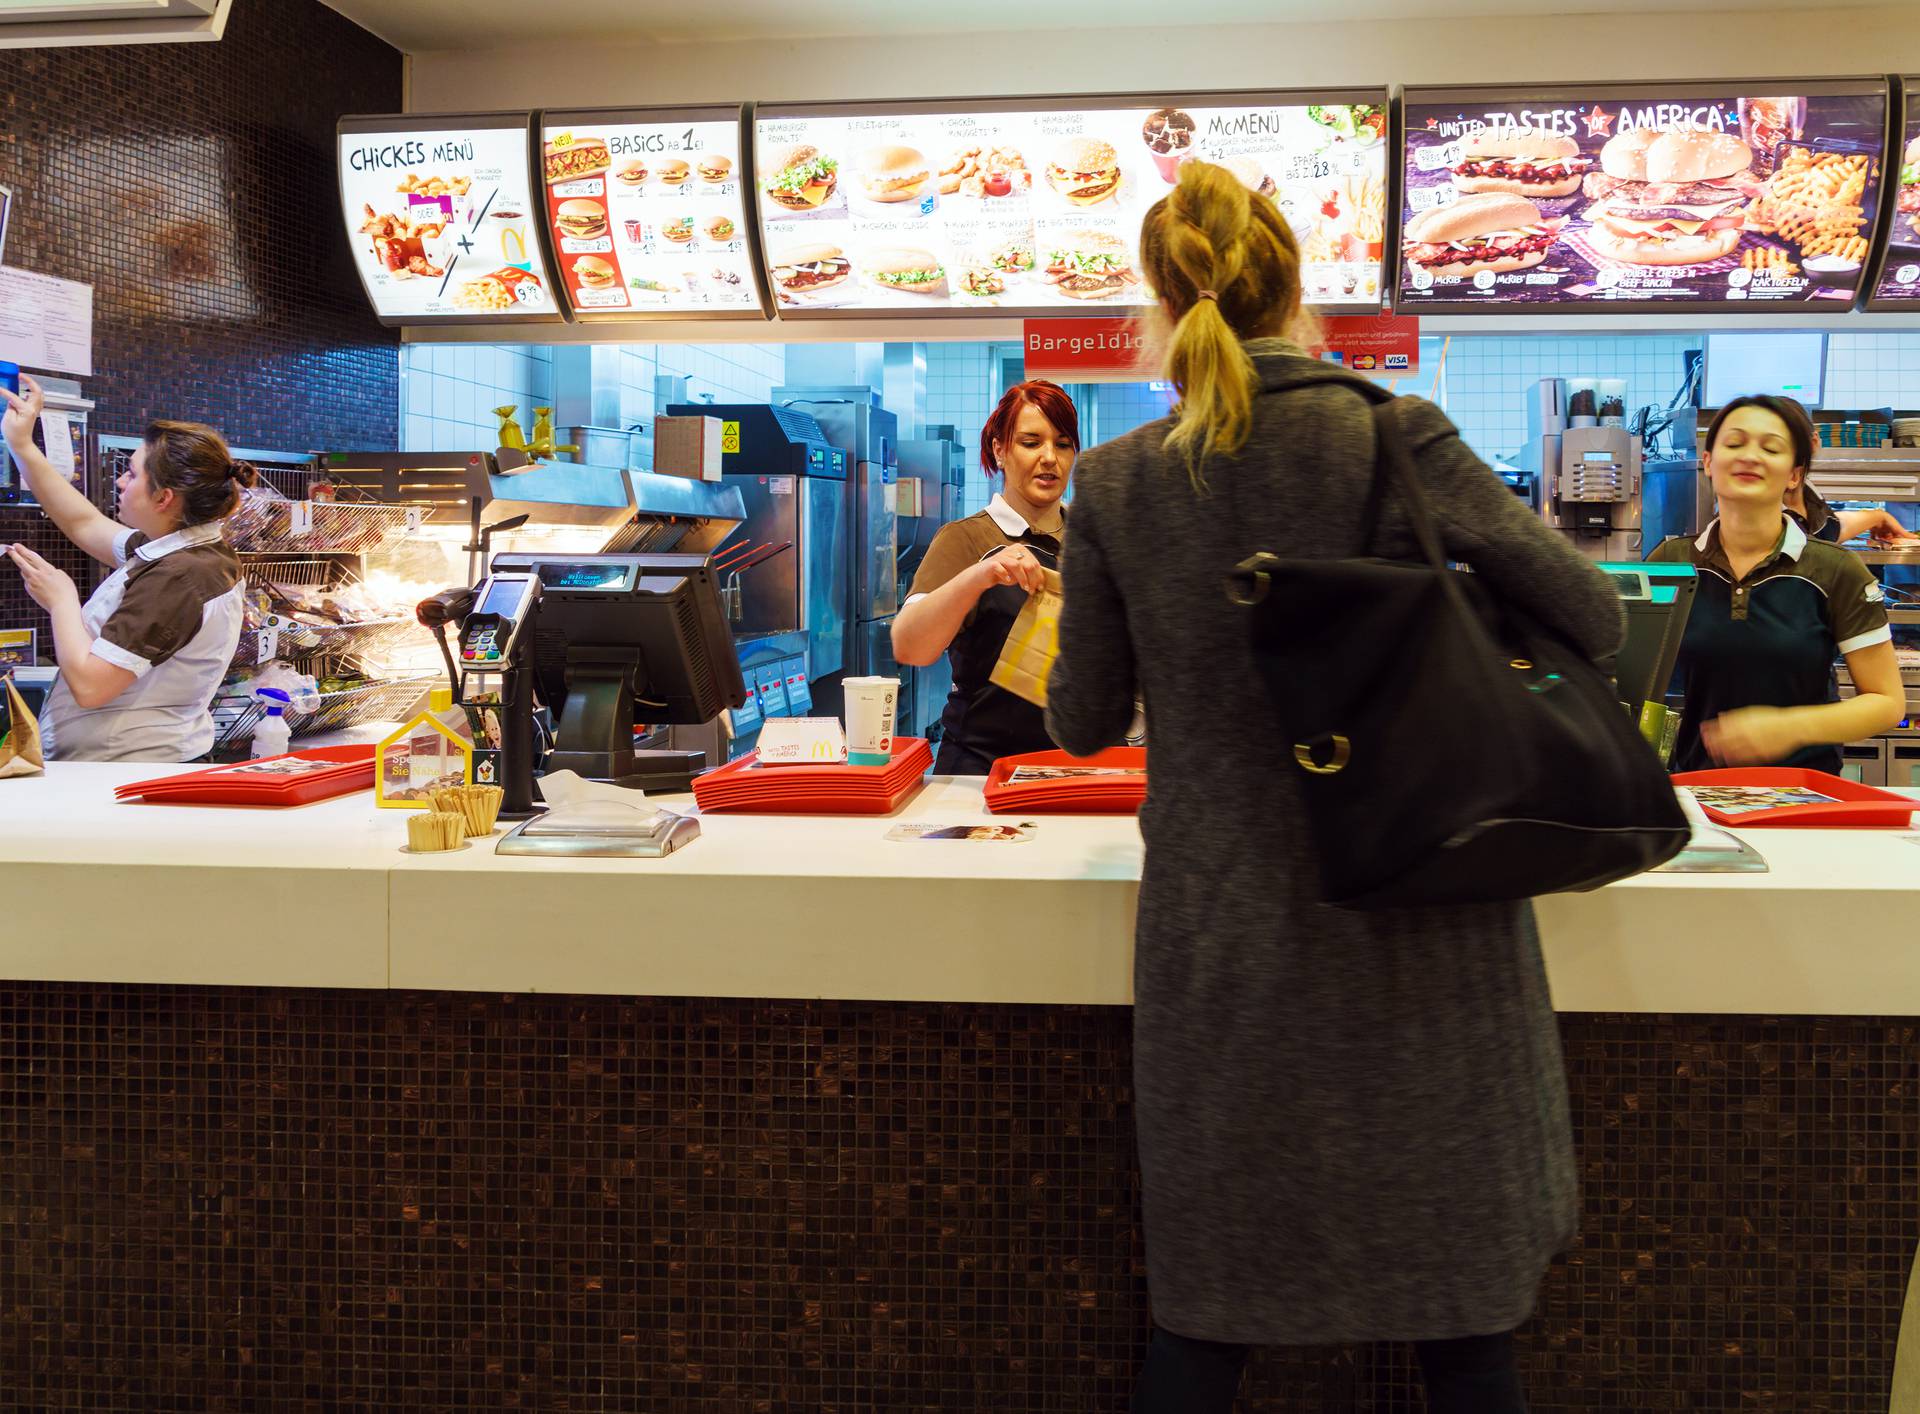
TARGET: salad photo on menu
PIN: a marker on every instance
(869, 208)
(648, 213)
(440, 222)
(1651, 198)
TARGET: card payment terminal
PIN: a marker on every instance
(501, 609)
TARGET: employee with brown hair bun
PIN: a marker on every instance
(141, 659)
(1352, 1125)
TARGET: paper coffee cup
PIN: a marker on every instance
(870, 712)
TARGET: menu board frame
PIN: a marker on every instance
(741, 116)
(1380, 94)
(1903, 125)
(1499, 95)
(507, 120)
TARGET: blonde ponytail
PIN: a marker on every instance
(1226, 267)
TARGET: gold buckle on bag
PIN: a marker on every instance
(1257, 569)
(1342, 753)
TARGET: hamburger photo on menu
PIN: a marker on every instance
(1670, 197)
(1091, 265)
(803, 178)
(1085, 171)
(907, 269)
(1523, 161)
(889, 174)
(1496, 232)
(581, 219)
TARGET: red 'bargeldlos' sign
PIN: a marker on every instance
(1087, 351)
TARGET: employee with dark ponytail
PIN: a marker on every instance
(141, 659)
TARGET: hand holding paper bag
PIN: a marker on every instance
(1026, 659)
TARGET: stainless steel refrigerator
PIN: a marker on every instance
(852, 420)
(933, 470)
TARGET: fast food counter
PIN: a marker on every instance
(771, 906)
(798, 1116)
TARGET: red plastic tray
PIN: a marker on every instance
(1096, 795)
(1853, 804)
(349, 768)
(744, 788)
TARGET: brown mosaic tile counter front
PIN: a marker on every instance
(229, 1200)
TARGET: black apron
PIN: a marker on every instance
(982, 722)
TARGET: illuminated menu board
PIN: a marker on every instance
(647, 213)
(439, 213)
(1651, 197)
(1898, 287)
(1035, 205)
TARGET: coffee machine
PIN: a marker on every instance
(1592, 479)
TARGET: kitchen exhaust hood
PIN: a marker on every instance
(54, 24)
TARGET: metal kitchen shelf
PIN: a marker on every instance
(1888, 557)
(281, 637)
(267, 525)
(235, 716)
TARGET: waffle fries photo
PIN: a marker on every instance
(1815, 202)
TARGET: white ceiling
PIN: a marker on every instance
(421, 26)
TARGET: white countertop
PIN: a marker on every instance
(782, 906)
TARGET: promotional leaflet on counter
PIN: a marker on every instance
(1900, 274)
(441, 222)
(648, 213)
(1685, 198)
(1041, 210)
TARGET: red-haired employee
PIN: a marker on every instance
(978, 572)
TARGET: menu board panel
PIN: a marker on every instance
(647, 212)
(439, 215)
(1899, 283)
(1034, 205)
(1653, 197)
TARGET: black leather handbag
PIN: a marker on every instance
(1450, 749)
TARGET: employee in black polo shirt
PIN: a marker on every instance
(978, 572)
(1774, 608)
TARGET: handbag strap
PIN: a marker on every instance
(1391, 456)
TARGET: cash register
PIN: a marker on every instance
(1658, 598)
(604, 642)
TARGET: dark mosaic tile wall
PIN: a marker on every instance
(192, 186)
(226, 1200)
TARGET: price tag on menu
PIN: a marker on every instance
(1432, 159)
(1308, 167)
(1427, 198)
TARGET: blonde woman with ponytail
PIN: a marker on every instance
(1353, 1125)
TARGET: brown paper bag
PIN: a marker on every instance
(20, 750)
(1026, 658)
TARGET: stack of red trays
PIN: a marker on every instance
(298, 778)
(745, 787)
(1111, 782)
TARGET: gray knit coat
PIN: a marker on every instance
(1353, 1126)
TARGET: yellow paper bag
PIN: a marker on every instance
(1026, 658)
(20, 751)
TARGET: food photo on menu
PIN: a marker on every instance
(441, 222)
(870, 210)
(1900, 275)
(647, 213)
(1675, 199)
